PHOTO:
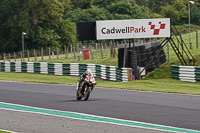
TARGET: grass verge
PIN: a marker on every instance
(4, 132)
(157, 85)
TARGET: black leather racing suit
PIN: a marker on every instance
(81, 82)
(82, 77)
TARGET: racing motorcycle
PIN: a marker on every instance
(85, 88)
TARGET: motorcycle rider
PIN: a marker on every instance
(83, 76)
(85, 85)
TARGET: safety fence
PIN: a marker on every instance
(186, 73)
(76, 69)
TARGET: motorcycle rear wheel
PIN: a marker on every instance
(78, 97)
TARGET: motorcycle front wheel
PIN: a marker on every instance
(78, 97)
(86, 94)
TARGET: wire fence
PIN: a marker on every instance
(96, 50)
(72, 52)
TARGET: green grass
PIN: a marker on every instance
(4, 132)
(160, 73)
(158, 85)
(158, 80)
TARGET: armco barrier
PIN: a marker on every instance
(186, 73)
(76, 69)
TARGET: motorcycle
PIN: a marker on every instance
(85, 88)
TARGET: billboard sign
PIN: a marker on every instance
(86, 31)
(133, 28)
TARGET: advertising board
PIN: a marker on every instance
(132, 28)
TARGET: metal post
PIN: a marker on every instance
(189, 24)
(4, 57)
(23, 46)
(42, 53)
(168, 51)
(134, 61)
(28, 55)
(189, 21)
(77, 50)
(197, 39)
(14, 57)
(23, 33)
(124, 61)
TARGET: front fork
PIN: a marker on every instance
(77, 86)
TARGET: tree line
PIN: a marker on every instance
(52, 23)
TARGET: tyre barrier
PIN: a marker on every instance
(144, 53)
(112, 73)
(186, 73)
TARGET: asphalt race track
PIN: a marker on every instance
(176, 110)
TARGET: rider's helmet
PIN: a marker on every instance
(89, 72)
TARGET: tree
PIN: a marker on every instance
(9, 37)
(42, 20)
(90, 14)
(83, 4)
(170, 12)
(121, 7)
(128, 10)
(195, 13)
(104, 3)
(176, 10)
